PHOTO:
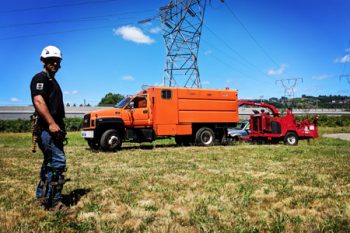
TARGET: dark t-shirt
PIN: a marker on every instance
(51, 93)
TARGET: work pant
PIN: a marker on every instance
(51, 174)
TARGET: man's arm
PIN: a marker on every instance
(43, 112)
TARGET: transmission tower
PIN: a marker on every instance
(182, 22)
(289, 85)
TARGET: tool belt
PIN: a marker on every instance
(37, 129)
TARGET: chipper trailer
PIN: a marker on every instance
(273, 128)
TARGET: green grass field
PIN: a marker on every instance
(163, 188)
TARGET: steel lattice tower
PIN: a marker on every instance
(289, 86)
(182, 22)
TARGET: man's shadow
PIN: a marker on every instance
(73, 197)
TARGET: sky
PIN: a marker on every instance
(262, 48)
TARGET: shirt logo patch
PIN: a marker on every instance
(40, 86)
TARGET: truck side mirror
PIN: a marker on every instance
(131, 105)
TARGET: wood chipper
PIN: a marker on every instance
(273, 128)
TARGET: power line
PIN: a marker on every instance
(251, 36)
(226, 63)
(231, 67)
(55, 6)
(225, 53)
(89, 18)
(85, 19)
(61, 32)
(79, 29)
(244, 61)
(230, 47)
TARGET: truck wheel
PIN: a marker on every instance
(291, 139)
(111, 140)
(205, 137)
(235, 139)
(94, 145)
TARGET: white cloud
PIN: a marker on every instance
(347, 50)
(75, 92)
(133, 34)
(321, 77)
(280, 71)
(228, 81)
(128, 78)
(155, 30)
(14, 100)
(344, 59)
(205, 82)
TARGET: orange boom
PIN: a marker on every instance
(193, 116)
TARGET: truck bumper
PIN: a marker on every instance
(87, 134)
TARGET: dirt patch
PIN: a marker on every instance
(343, 136)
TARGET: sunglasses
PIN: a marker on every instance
(53, 61)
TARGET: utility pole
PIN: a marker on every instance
(182, 22)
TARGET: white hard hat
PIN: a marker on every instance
(51, 51)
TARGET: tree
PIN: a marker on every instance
(111, 98)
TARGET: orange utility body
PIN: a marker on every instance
(164, 111)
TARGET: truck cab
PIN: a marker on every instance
(131, 119)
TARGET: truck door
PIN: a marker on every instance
(139, 112)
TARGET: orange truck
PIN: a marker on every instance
(192, 116)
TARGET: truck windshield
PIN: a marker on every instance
(122, 103)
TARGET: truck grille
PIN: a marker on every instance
(86, 122)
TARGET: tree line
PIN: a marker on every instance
(309, 102)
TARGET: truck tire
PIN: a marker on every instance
(291, 139)
(235, 139)
(205, 137)
(111, 140)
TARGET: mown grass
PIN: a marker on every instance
(163, 188)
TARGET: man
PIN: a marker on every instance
(47, 99)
